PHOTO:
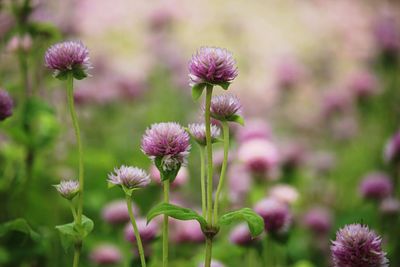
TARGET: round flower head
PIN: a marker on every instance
(376, 186)
(116, 212)
(254, 129)
(357, 246)
(318, 220)
(225, 107)
(198, 131)
(105, 255)
(241, 236)
(68, 188)
(148, 232)
(186, 232)
(214, 263)
(212, 65)
(284, 193)
(167, 141)
(276, 215)
(68, 56)
(363, 85)
(129, 177)
(392, 149)
(6, 105)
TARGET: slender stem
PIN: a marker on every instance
(71, 205)
(70, 94)
(209, 155)
(136, 231)
(203, 182)
(77, 253)
(208, 252)
(225, 129)
(165, 226)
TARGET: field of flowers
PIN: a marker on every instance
(199, 133)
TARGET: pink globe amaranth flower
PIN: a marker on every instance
(198, 132)
(225, 107)
(180, 180)
(186, 232)
(390, 206)
(68, 188)
(392, 149)
(318, 220)
(20, 43)
(259, 155)
(239, 183)
(284, 193)
(292, 156)
(167, 141)
(212, 65)
(357, 246)
(214, 263)
(68, 56)
(116, 212)
(376, 185)
(335, 102)
(288, 73)
(6, 105)
(387, 33)
(276, 214)
(105, 255)
(363, 84)
(148, 232)
(241, 236)
(129, 177)
(254, 129)
(322, 162)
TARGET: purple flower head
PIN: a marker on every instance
(129, 177)
(68, 56)
(148, 232)
(241, 236)
(254, 128)
(116, 212)
(225, 107)
(276, 214)
(105, 255)
(363, 84)
(212, 65)
(187, 232)
(392, 149)
(318, 220)
(214, 263)
(167, 141)
(198, 131)
(357, 246)
(376, 185)
(6, 105)
(284, 193)
(68, 188)
(387, 33)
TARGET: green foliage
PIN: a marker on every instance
(71, 233)
(254, 221)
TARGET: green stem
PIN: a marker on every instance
(203, 182)
(209, 155)
(225, 129)
(207, 262)
(71, 205)
(165, 225)
(77, 253)
(136, 231)
(70, 94)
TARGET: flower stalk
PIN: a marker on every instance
(203, 181)
(165, 225)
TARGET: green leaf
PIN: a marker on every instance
(224, 85)
(62, 75)
(236, 118)
(79, 73)
(71, 233)
(166, 174)
(197, 90)
(19, 225)
(176, 212)
(254, 221)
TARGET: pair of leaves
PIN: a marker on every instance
(77, 72)
(71, 233)
(254, 221)
(197, 89)
(19, 225)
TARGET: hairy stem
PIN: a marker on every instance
(136, 231)
(165, 225)
(225, 129)
(202, 181)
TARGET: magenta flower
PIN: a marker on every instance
(376, 185)
(357, 246)
(276, 214)
(186, 232)
(392, 149)
(318, 220)
(241, 236)
(105, 255)
(6, 105)
(363, 84)
(254, 129)
(212, 65)
(148, 232)
(129, 177)
(68, 188)
(198, 131)
(225, 107)
(68, 56)
(167, 142)
(116, 212)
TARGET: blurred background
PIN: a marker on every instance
(319, 85)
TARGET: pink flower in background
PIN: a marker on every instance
(129, 177)
(363, 84)
(335, 102)
(225, 106)
(392, 149)
(376, 185)
(241, 236)
(186, 232)
(180, 180)
(239, 183)
(105, 255)
(289, 72)
(387, 33)
(23, 43)
(390, 206)
(148, 232)
(6, 105)
(284, 193)
(276, 214)
(318, 220)
(253, 129)
(116, 212)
